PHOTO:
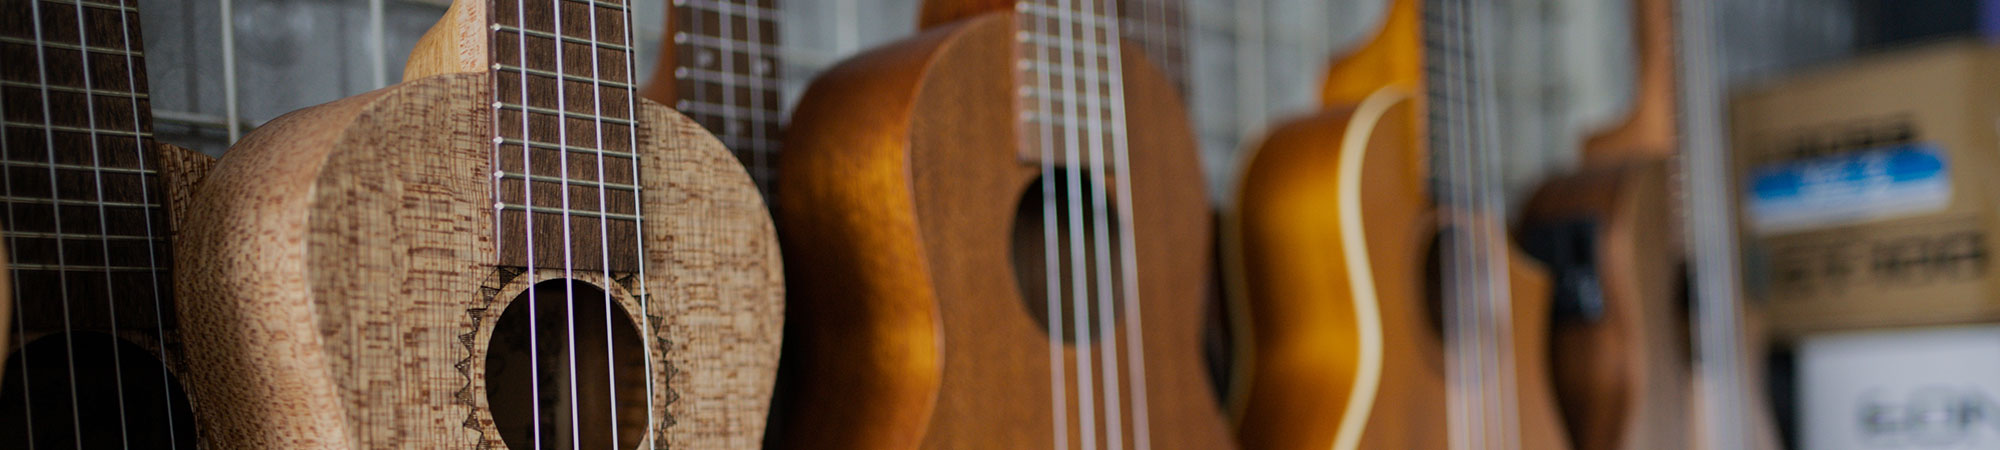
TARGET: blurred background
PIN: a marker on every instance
(1567, 69)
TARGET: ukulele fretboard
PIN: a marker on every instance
(1156, 26)
(726, 71)
(563, 120)
(1069, 81)
(80, 194)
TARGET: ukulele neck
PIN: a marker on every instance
(1158, 27)
(80, 195)
(1069, 79)
(564, 108)
(726, 76)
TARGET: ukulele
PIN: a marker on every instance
(1382, 314)
(1608, 235)
(999, 241)
(719, 66)
(89, 207)
(507, 250)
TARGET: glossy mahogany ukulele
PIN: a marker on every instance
(1385, 314)
(85, 199)
(1607, 233)
(999, 239)
(507, 250)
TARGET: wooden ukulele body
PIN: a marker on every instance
(898, 191)
(1339, 361)
(341, 283)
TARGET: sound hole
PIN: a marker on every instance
(537, 350)
(1100, 265)
(91, 391)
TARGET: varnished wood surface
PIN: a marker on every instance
(346, 282)
(897, 194)
(1317, 378)
(1623, 377)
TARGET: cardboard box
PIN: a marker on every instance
(1928, 389)
(1868, 191)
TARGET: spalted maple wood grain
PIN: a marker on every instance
(897, 193)
(341, 271)
(1309, 383)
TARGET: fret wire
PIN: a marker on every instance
(503, 206)
(599, 4)
(68, 129)
(752, 12)
(572, 182)
(107, 6)
(1045, 67)
(79, 268)
(726, 78)
(1066, 16)
(46, 235)
(69, 202)
(565, 38)
(714, 42)
(569, 148)
(564, 113)
(566, 77)
(719, 109)
(59, 45)
(74, 90)
(1055, 42)
(43, 165)
(756, 144)
(1061, 120)
(1052, 93)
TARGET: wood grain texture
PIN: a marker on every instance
(897, 194)
(1623, 377)
(1307, 382)
(343, 274)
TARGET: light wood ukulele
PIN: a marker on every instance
(89, 201)
(1608, 234)
(999, 242)
(1335, 249)
(507, 250)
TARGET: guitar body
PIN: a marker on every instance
(1330, 235)
(899, 186)
(344, 290)
(1623, 379)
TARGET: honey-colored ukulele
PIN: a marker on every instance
(1608, 234)
(999, 242)
(1381, 314)
(507, 250)
(88, 203)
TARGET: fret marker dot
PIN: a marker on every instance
(498, 205)
(680, 72)
(499, 174)
(680, 37)
(497, 140)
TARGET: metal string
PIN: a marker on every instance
(20, 323)
(69, 345)
(603, 222)
(1127, 245)
(638, 227)
(1079, 304)
(1042, 117)
(1101, 239)
(103, 229)
(528, 218)
(568, 264)
(152, 259)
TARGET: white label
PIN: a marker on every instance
(1928, 389)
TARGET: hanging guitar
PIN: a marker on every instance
(507, 250)
(89, 202)
(1607, 233)
(998, 241)
(1384, 314)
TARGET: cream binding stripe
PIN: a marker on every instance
(1354, 249)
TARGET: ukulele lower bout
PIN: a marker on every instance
(346, 290)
